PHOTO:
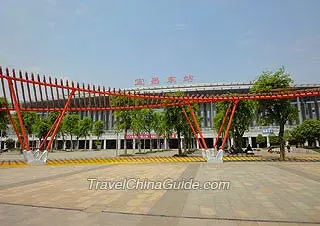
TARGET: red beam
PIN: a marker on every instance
(229, 124)
(60, 119)
(191, 126)
(8, 112)
(15, 129)
(315, 92)
(197, 126)
(17, 109)
(222, 125)
(49, 132)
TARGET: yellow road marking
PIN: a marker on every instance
(155, 159)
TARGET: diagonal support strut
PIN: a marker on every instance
(229, 124)
(197, 127)
(222, 125)
(191, 126)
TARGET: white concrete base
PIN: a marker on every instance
(209, 156)
(35, 158)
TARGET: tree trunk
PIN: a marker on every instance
(85, 142)
(179, 143)
(281, 140)
(32, 143)
(63, 142)
(139, 144)
(238, 141)
(71, 143)
(185, 140)
(125, 142)
(158, 143)
(150, 140)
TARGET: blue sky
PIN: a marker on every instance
(112, 43)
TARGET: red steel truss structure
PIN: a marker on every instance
(35, 93)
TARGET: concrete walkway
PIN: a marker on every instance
(259, 194)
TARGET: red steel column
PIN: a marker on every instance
(229, 124)
(15, 129)
(7, 109)
(222, 125)
(197, 126)
(48, 134)
(191, 126)
(17, 108)
(60, 119)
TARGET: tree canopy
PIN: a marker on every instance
(244, 114)
(176, 121)
(3, 115)
(28, 118)
(275, 111)
(309, 130)
(98, 128)
(70, 125)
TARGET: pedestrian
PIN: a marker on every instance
(288, 148)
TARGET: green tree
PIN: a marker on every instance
(260, 139)
(70, 126)
(148, 119)
(310, 130)
(41, 127)
(289, 137)
(297, 136)
(84, 129)
(245, 112)
(137, 125)
(175, 119)
(187, 131)
(9, 143)
(51, 120)
(160, 127)
(275, 111)
(52, 117)
(98, 129)
(3, 115)
(123, 118)
(274, 140)
(28, 118)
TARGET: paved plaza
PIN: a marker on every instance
(260, 193)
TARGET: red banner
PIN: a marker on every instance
(147, 136)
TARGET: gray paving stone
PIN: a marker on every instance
(265, 192)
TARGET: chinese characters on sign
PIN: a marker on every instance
(139, 82)
(171, 79)
(188, 78)
(156, 80)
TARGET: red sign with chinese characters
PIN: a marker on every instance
(188, 78)
(171, 79)
(147, 136)
(155, 81)
(139, 82)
